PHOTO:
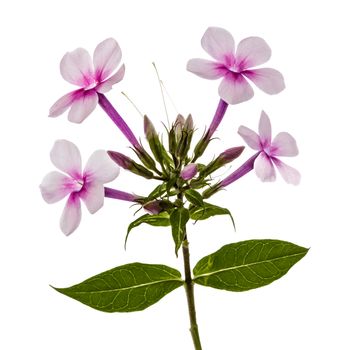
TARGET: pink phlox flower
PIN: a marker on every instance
(235, 65)
(91, 75)
(282, 145)
(86, 185)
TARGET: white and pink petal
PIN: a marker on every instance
(76, 68)
(63, 103)
(93, 196)
(100, 168)
(234, 89)
(289, 174)
(66, 157)
(83, 106)
(265, 129)
(114, 79)
(107, 57)
(268, 80)
(55, 186)
(252, 52)
(218, 43)
(250, 137)
(264, 168)
(71, 215)
(285, 145)
(206, 69)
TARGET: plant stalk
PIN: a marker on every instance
(190, 295)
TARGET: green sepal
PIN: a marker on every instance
(161, 219)
(127, 288)
(201, 146)
(159, 152)
(184, 143)
(178, 220)
(208, 210)
(194, 198)
(171, 182)
(247, 265)
(145, 158)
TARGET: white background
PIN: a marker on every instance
(308, 308)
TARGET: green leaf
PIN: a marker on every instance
(208, 210)
(178, 220)
(161, 219)
(194, 198)
(246, 265)
(157, 192)
(131, 287)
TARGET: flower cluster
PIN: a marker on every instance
(174, 164)
(184, 183)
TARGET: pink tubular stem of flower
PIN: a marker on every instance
(118, 120)
(244, 169)
(121, 195)
(204, 141)
(241, 171)
(218, 116)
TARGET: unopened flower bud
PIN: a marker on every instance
(122, 160)
(157, 206)
(231, 154)
(149, 129)
(156, 146)
(224, 158)
(128, 164)
(153, 207)
(145, 158)
(178, 126)
(189, 123)
(189, 171)
(201, 145)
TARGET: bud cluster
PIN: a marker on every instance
(174, 165)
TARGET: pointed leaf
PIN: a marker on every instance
(126, 288)
(157, 192)
(246, 265)
(161, 219)
(178, 220)
(194, 198)
(208, 210)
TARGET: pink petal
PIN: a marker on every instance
(114, 79)
(93, 196)
(234, 89)
(62, 104)
(251, 52)
(265, 129)
(206, 69)
(250, 137)
(285, 145)
(107, 57)
(71, 215)
(83, 106)
(55, 186)
(100, 168)
(65, 156)
(289, 174)
(76, 68)
(219, 43)
(267, 79)
(264, 168)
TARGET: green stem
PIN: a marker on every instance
(190, 296)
